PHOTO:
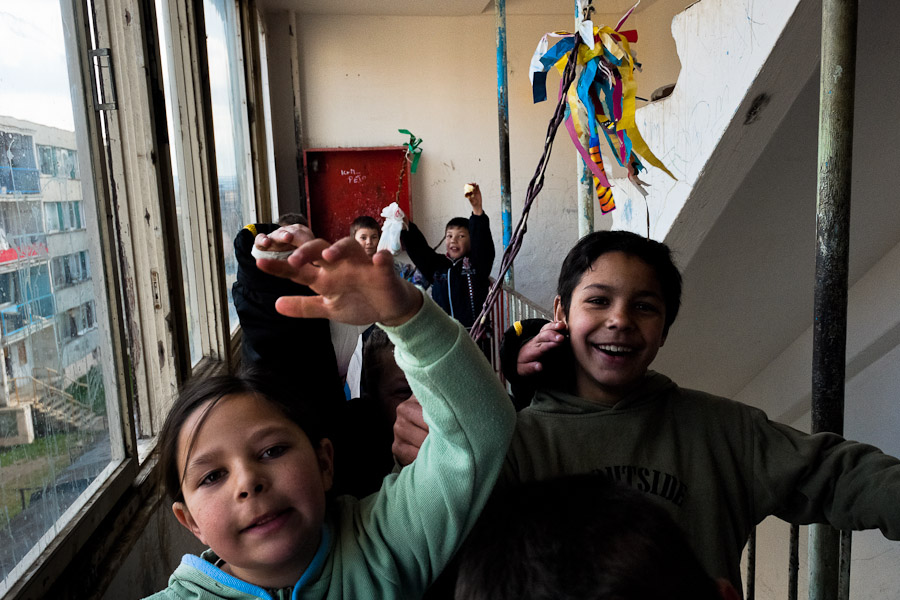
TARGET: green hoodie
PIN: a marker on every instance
(717, 466)
(393, 543)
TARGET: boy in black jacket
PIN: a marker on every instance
(271, 342)
(459, 278)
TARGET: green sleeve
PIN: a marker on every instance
(420, 517)
(819, 478)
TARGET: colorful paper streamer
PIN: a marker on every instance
(601, 101)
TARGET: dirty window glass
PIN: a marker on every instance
(232, 133)
(189, 222)
(56, 404)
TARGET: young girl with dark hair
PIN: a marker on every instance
(249, 472)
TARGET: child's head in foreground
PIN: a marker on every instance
(366, 232)
(292, 219)
(577, 537)
(618, 294)
(248, 470)
(456, 236)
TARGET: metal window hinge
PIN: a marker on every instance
(103, 80)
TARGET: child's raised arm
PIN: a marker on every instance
(395, 542)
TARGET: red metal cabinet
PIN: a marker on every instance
(345, 183)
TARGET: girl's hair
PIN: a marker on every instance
(212, 390)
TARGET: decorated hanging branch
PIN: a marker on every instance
(601, 103)
(596, 91)
(411, 156)
(534, 187)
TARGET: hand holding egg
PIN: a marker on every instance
(473, 195)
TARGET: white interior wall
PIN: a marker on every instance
(436, 76)
(871, 417)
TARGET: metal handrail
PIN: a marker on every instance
(511, 306)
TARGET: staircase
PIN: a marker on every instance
(62, 411)
(55, 406)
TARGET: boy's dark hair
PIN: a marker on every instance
(363, 222)
(593, 245)
(461, 222)
(213, 389)
(292, 219)
(576, 537)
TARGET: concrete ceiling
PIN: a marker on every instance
(441, 8)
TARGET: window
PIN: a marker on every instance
(231, 130)
(18, 173)
(63, 216)
(70, 269)
(189, 218)
(51, 216)
(22, 228)
(79, 269)
(58, 162)
(9, 288)
(45, 474)
(32, 303)
(48, 160)
(77, 321)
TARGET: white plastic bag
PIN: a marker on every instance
(393, 225)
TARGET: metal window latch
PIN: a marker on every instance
(103, 81)
(154, 286)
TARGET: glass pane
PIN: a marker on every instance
(267, 115)
(189, 257)
(229, 106)
(55, 417)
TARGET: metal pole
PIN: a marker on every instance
(838, 75)
(585, 183)
(794, 562)
(503, 119)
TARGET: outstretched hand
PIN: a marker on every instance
(533, 351)
(352, 287)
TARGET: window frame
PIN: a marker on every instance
(126, 167)
(120, 474)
